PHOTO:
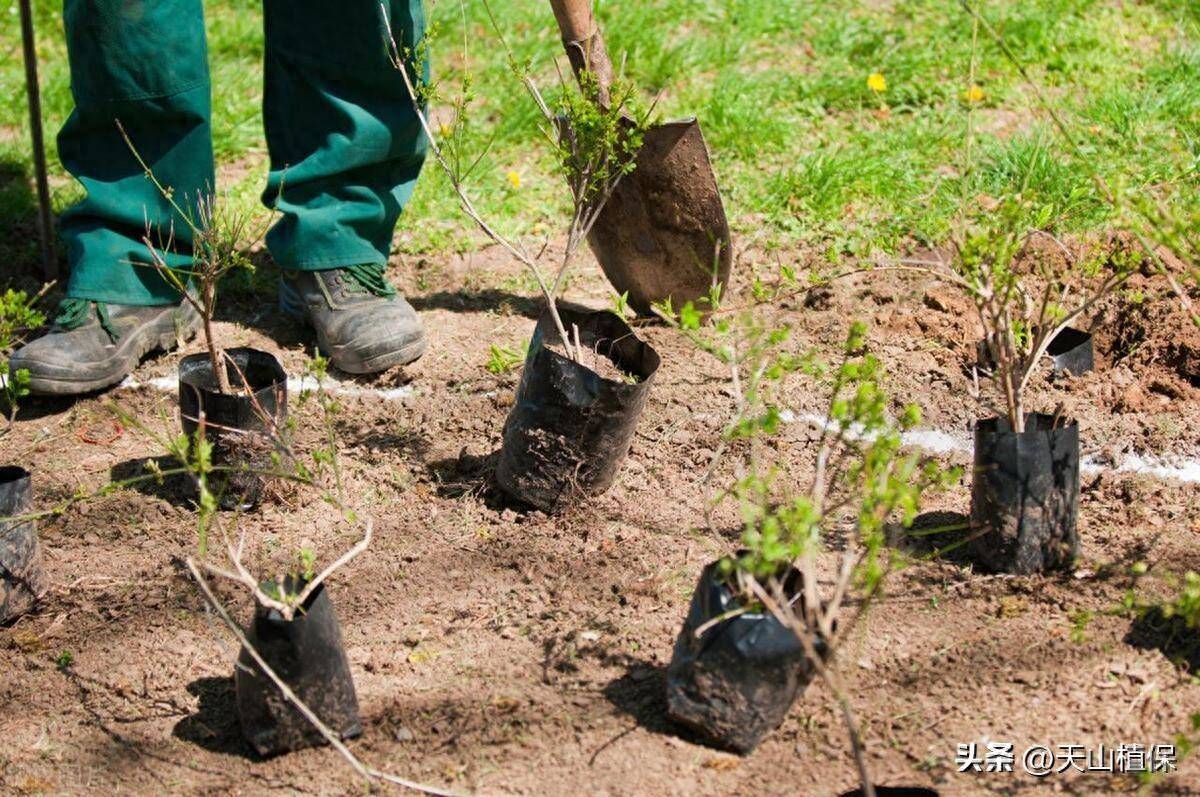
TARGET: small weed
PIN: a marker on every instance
(1080, 620)
(1168, 426)
(1186, 605)
(522, 283)
(620, 306)
(1011, 606)
(14, 386)
(503, 359)
(308, 563)
(18, 315)
(64, 659)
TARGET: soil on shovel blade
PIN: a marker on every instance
(500, 651)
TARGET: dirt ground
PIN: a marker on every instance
(497, 651)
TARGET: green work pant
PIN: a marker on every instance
(345, 144)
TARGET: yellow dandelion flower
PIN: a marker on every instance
(975, 94)
(514, 179)
(876, 82)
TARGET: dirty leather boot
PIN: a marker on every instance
(362, 324)
(93, 345)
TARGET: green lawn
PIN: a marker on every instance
(804, 149)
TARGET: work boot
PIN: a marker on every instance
(93, 345)
(362, 324)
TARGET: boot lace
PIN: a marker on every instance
(369, 277)
(74, 313)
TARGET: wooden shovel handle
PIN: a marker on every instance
(584, 44)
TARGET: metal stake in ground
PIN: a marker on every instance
(33, 93)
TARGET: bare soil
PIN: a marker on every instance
(505, 652)
(594, 361)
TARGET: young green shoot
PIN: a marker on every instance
(19, 315)
(14, 386)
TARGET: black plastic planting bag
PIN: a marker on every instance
(1072, 352)
(1025, 495)
(20, 556)
(570, 428)
(735, 683)
(233, 424)
(307, 654)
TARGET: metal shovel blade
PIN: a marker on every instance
(663, 233)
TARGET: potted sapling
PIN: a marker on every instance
(586, 375)
(292, 679)
(1025, 486)
(235, 398)
(296, 632)
(20, 554)
(760, 626)
(294, 641)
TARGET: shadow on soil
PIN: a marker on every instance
(32, 408)
(936, 535)
(641, 693)
(176, 489)
(466, 474)
(473, 475)
(124, 755)
(214, 726)
(479, 301)
(466, 301)
(414, 444)
(1168, 635)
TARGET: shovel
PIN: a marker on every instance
(663, 233)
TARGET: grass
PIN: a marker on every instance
(804, 150)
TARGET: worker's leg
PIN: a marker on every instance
(346, 148)
(142, 63)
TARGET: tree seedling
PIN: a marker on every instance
(595, 145)
(861, 482)
(1025, 295)
(219, 237)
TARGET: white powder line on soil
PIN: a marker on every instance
(938, 442)
(934, 441)
(171, 385)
